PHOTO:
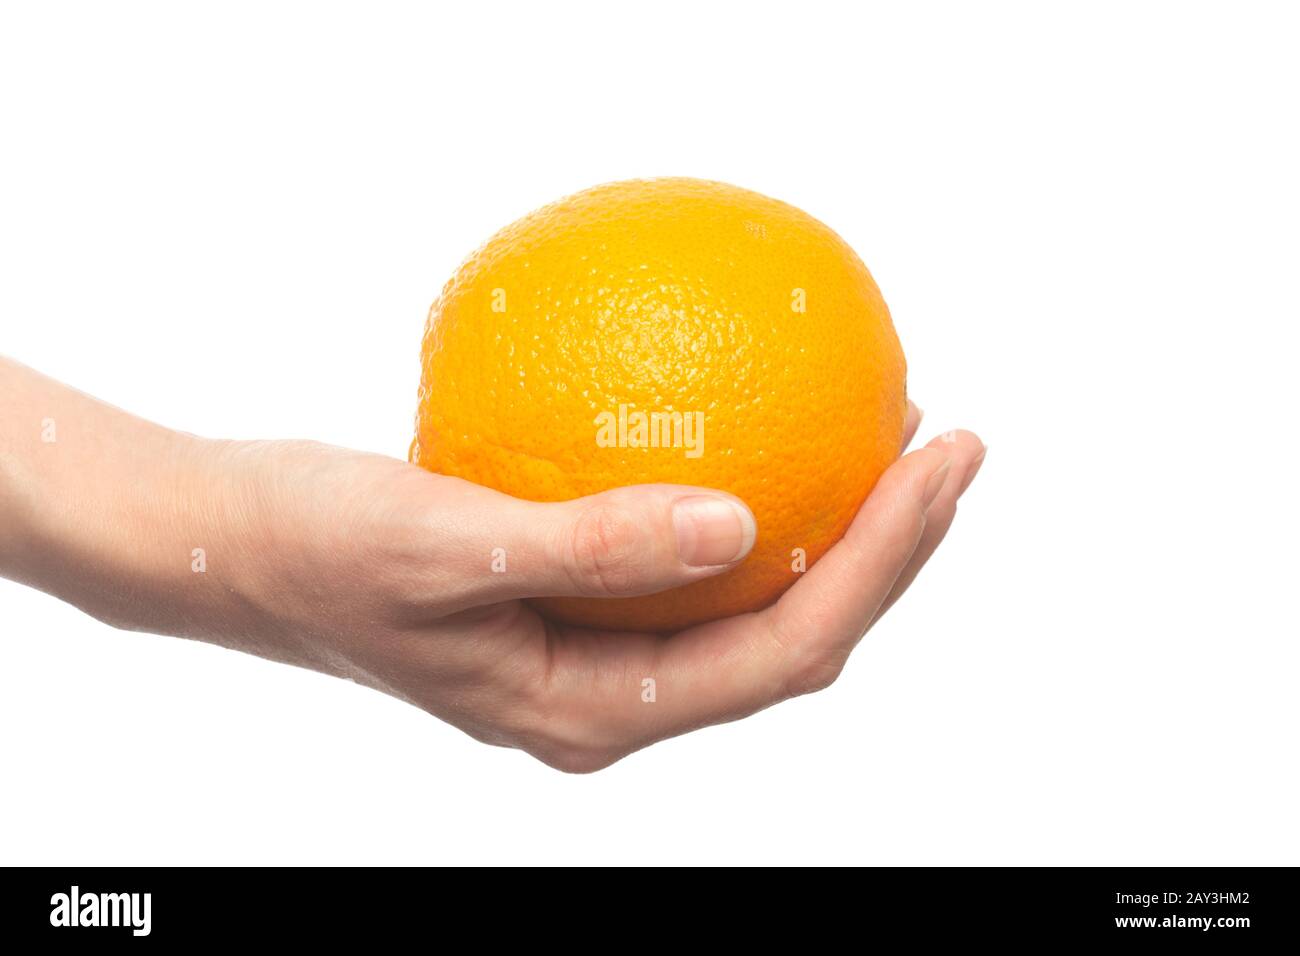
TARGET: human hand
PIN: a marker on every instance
(372, 569)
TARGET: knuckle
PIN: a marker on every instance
(568, 740)
(813, 675)
(604, 553)
(807, 667)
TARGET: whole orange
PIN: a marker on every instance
(595, 342)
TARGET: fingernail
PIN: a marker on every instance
(933, 486)
(712, 531)
(972, 471)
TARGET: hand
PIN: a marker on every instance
(372, 569)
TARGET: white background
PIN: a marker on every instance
(1086, 220)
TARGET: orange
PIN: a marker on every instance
(694, 301)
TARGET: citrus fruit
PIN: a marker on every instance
(669, 330)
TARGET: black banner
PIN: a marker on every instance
(1228, 908)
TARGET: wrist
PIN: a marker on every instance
(195, 536)
(251, 570)
(140, 526)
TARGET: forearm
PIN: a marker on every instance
(103, 509)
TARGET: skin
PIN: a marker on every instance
(372, 569)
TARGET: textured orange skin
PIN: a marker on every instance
(669, 294)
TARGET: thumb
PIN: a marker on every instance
(620, 543)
